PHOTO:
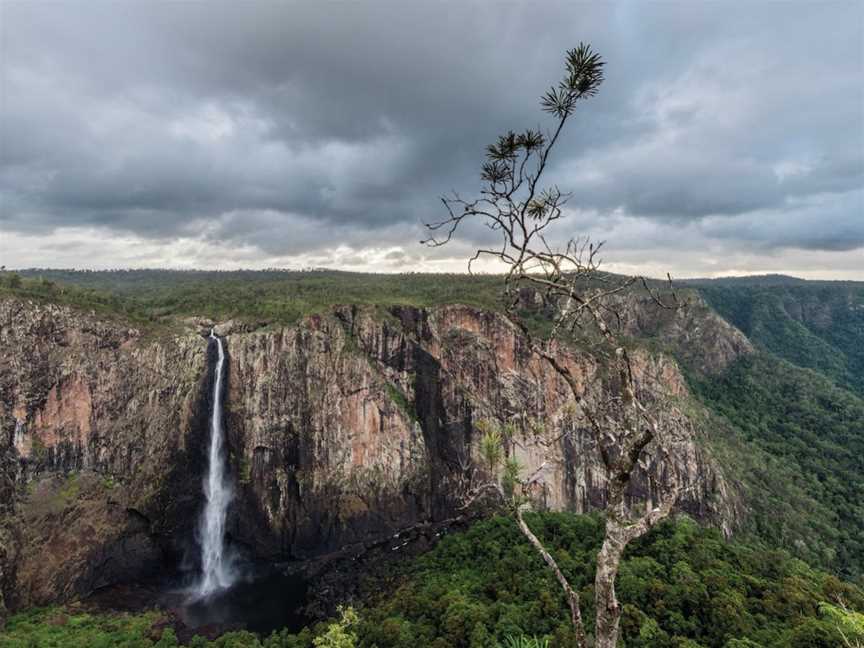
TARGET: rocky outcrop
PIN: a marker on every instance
(78, 534)
(356, 425)
(698, 337)
(342, 429)
(679, 323)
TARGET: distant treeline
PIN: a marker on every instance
(273, 296)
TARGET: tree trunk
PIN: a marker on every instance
(608, 614)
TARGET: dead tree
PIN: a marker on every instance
(580, 300)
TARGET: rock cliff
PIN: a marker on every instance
(103, 430)
(342, 429)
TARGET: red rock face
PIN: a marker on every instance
(65, 416)
(326, 451)
(340, 430)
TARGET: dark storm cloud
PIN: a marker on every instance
(293, 127)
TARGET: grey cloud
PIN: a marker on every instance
(816, 223)
(294, 127)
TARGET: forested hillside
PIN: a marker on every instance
(813, 324)
(796, 441)
(793, 415)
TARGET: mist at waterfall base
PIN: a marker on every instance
(230, 591)
(263, 601)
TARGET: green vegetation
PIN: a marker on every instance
(102, 302)
(681, 586)
(848, 622)
(818, 325)
(71, 627)
(798, 448)
(788, 429)
(340, 633)
(401, 400)
(277, 296)
(68, 492)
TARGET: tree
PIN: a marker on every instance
(849, 623)
(339, 634)
(583, 304)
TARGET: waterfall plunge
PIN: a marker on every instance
(217, 572)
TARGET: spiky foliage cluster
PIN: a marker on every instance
(491, 449)
(515, 162)
(584, 76)
(524, 641)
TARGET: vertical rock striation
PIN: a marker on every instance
(342, 429)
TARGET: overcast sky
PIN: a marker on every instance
(728, 138)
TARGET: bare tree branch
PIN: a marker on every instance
(572, 595)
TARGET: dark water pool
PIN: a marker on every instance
(264, 600)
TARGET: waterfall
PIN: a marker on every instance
(217, 571)
(18, 437)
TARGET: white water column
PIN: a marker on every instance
(217, 571)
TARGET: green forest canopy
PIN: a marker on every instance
(682, 586)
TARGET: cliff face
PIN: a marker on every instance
(343, 429)
(101, 432)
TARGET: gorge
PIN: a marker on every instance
(343, 435)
